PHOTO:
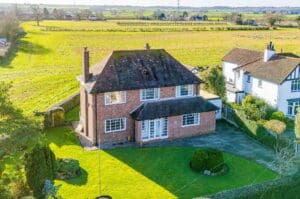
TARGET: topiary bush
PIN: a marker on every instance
(199, 160)
(68, 168)
(215, 162)
(207, 159)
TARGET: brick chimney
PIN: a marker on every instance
(85, 65)
(269, 52)
(147, 46)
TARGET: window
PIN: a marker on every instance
(260, 83)
(248, 79)
(292, 107)
(114, 125)
(184, 90)
(149, 94)
(117, 97)
(295, 86)
(154, 129)
(191, 119)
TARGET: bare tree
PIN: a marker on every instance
(37, 14)
(285, 161)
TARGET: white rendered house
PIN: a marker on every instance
(274, 77)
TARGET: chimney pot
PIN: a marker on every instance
(269, 52)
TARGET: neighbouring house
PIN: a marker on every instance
(274, 77)
(93, 18)
(141, 96)
(68, 17)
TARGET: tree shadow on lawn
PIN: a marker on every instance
(79, 180)
(61, 136)
(24, 46)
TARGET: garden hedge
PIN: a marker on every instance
(287, 187)
(258, 132)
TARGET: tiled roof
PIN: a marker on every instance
(138, 69)
(276, 70)
(242, 57)
(172, 107)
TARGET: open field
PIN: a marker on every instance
(146, 172)
(44, 68)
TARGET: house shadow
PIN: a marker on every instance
(174, 178)
(79, 180)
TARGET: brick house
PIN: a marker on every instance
(141, 96)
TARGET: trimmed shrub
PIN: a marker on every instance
(40, 165)
(215, 161)
(258, 132)
(207, 159)
(199, 160)
(256, 109)
(68, 168)
(278, 115)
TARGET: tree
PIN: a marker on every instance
(298, 21)
(46, 13)
(100, 16)
(9, 26)
(37, 13)
(40, 165)
(185, 14)
(214, 81)
(273, 18)
(276, 127)
(58, 13)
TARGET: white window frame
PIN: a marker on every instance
(118, 130)
(194, 124)
(123, 93)
(156, 96)
(146, 129)
(292, 107)
(190, 90)
(295, 85)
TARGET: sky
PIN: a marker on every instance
(193, 3)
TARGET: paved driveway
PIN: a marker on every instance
(229, 139)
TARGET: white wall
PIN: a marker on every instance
(284, 94)
(228, 72)
(231, 97)
(268, 91)
(239, 80)
(218, 103)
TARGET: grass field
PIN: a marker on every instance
(44, 68)
(146, 172)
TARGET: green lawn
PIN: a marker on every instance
(146, 172)
(44, 68)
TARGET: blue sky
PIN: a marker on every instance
(195, 3)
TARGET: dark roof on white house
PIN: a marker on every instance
(276, 70)
(172, 107)
(138, 69)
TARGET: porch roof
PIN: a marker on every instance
(172, 107)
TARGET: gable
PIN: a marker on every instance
(295, 74)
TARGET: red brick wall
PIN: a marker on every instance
(175, 129)
(116, 111)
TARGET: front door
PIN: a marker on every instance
(154, 129)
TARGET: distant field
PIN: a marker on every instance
(44, 68)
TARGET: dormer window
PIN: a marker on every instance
(117, 97)
(184, 90)
(150, 94)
